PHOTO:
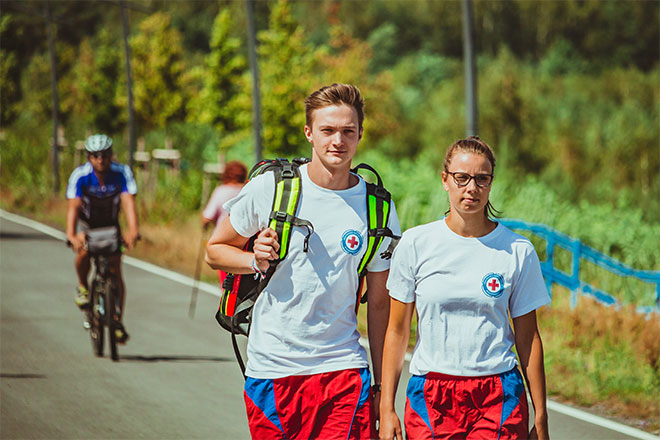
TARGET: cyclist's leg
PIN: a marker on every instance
(115, 269)
(82, 264)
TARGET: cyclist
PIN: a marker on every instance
(95, 192)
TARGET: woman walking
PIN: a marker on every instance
(465, 275)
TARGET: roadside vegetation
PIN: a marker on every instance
(570, 107)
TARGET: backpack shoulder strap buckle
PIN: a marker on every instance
(286, 171)
(280, 216)
(381, 193)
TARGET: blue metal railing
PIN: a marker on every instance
(580, 251)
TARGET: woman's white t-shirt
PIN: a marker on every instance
(464, 290)
(304, 321)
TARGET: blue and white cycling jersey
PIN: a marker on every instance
(100, 203)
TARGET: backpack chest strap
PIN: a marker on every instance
(285, 205)
(378, 210)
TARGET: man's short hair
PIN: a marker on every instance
(335, 94)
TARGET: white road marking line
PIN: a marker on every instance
(171, 275)
(600, 421)
(213, 290)
(55, 233)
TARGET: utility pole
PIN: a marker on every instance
(254, 66)
(471, 110)
(50, 23)
(129, 85)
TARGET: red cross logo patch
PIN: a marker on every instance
(351, 242)
(493, 285)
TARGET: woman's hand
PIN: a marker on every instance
(540, 429)
(390, 426)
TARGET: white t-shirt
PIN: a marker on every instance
(304, 321)
(221, 194)
(464, 289)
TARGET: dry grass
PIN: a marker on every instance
(177, 246)
(601, 357)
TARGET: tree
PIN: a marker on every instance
(159, 72)
(286, 68)
(221, 102)
(8, 78)
(36, 83)
(94, 88)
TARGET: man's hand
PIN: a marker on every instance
(266, 248)
(77, 241)
(377, 405)
(130, 239)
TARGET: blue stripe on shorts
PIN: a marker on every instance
(415, 394)
(262, 393)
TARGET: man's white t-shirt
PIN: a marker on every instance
(464, 290)
(304, 321)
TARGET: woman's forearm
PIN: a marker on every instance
(396, 343)
(530, 353)
(535, 374)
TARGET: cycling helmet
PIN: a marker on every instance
(98, 142)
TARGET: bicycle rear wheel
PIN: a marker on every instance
(111, 310)
(95, 318)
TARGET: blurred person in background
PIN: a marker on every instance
(95, 192)
(465, 275)
(233, 179)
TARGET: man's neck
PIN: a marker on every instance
(331, 178)
(100, 176)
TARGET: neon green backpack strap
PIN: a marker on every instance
(378, 214)
(240, 292)
(285, 203)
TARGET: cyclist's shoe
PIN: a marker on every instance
(121, 335)
(82, 297)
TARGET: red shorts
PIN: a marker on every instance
(439, 406)
(334, 405)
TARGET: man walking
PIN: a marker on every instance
(307, 375)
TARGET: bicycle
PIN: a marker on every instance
(104, 304)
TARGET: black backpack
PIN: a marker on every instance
(240, 291)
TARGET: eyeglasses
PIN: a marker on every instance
(463, 179)
(104, 154)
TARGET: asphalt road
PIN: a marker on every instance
(176, 378)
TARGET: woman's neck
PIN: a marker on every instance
(472, 225)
